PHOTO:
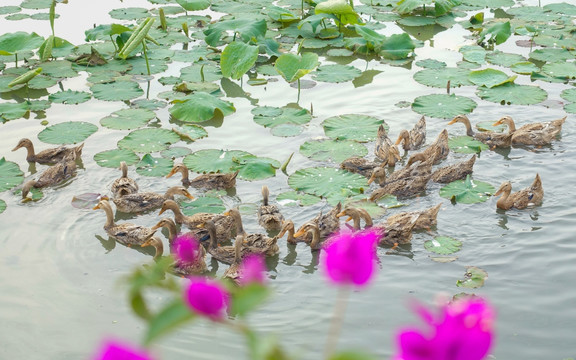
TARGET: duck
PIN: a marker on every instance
(225, 254)
(438, 150)
(385, 150)
(288, 228)
(54, 175)
(170, 225)
(123, 185)
(359, 165)
(269, 216)
(417, 165)
(180, 268)
(48, 156)
(531, 195)
(356, 214)
(415, 138)
(155, 242)
(312, 231)
(256, 242)
(490, 138)
(209, 181)
(454, 172)
(538, 134)
(125, 233)
(233, 272)
(403, 187)
(327, 224)
(423, 219)
(144, 201)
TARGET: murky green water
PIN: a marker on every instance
(60, 283)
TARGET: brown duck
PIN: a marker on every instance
(48, 156)
(531, 195)
(205, 181)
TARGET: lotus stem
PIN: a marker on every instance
(16, 57)
(146, 56)
(285, 165)
(162, 19)
(337, 319)
(52, 16)
(298, 100)
(202, 73)
(302, 10)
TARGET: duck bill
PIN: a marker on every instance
(172, 172)
(17, 147)
(372, 178)
(499, 122)
(453, 121)
(498, 192)
(227, 213)
(146, 243)
(398, 141)
(161, 211)
(300, 233)
(341, 213)
(96, 207)
(189, 196)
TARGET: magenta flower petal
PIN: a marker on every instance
(207, 298)
(115, 350)
(187, 249)
(252, 270)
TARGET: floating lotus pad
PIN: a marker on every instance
(389, 201)
(10, 175)
(439, 77)
(337, 151)
(205, 204)
(2, 206)
(551, 55)
(175, 152)
(12, 111)
(117, 91)
(569, 94)
(58, 69)
(566, 71)
(16, 42)
(255, 168)
(524, 68)
(153, 104)
(286, 130)
(200, 107)
(510, 93)
(269, 116)
(247, 28)
(330, 183)
(112, 158)
(431, 64)
(41, 82)
(4, 10)
(200, 73)
(148, 140)
(361, 128)
(237, 58)
(474, 53)
(39, 105)
(131, 13)
(504, 59)
(336, 73)
(155, 167)
(70, 132)
(467, 191)
(190, 132)
(70, 97)
(292, 67)
(473, 278)
(127, 119)
(490, 77)
(443, 245)
(296, 198)
(443, 106)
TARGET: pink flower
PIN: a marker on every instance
(115, 350)
(207, 298)
(187, 249)
(462, 331)
(351, 257)
(252, 270)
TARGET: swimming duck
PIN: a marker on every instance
(310, 230)
(533, 134)
(404, 187)
(180, 268)
(54, 175)
(288, 227)
(269, 216)
(492, 139)
(385, 150)
(454, 172)
(256, 242)
(48, 156)
(393, 232)
(531, 195)
(422, 219)
(123, 185)
(233, 272)
(205, 181)
(144, 201)
(225, 254)
(327, 224)
(157, 244)
(438, 150)
(125, 233)
(359, 165)
(418, 165)
(415, 138)
(170, 225)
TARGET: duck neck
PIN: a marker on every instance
(238, 249)
(238, 220)
(469, 130)
(29, 150)
(178, 215)
(315, 237)
(172, 231)
(124, 169)
(184, 172)
(265, 195)
(212, 235)
(502, 203)
(109, 215)
(405, 140)
(511, 125)
(169, 195)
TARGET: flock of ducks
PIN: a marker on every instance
(215, 231)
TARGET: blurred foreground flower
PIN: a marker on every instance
(187, 249)
(207, 298)
(252, 270)
(350, 257)
(462, 331)
(115, 350)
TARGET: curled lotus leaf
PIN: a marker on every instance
(12, 111)
(155, 167)
(292, 67)
(443, 245)
(148, 140)
(70, 132)
(11, 43)
(473, 278)
(10, 175)
(113, 158)
(490, 77)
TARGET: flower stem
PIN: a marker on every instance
(337, 319)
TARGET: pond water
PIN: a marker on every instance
(61, 289)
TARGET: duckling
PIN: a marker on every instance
(359, 165)
(123, 185)
(205, 181)
(385, 150)
(257, 243)
(531, 195)
(145, 201)
(54, 175)
(180, 268)
(454, 172)
(125, 233)
(438, 150)
(48, 156)
(327, 224)
(415, 138)
(533, 134)
(492, 139)
(269, 216)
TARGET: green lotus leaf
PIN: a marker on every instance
(113, 158)
(70, 97)
(570, 108)
(466, 145)
(2, 203)
(362, 128)
(247, 29)
(148, 140)
(155, 167)
(153, 104)
(524, 68)
(497, 34)
(11, 43)
(190, 132)
(188, 87)
(255, 168)
(443, 106)
(267, 70)
(490, 77)
(103, 32)
(561, 8)
(443, 245)
(10, 175)
(554, 41)
(39, 105)
(532, 13)
(232, 7)
(473, 278)
(237, 58)
(372, 37)
(329, 183)
(473, 53)
(389, 201)
(397, 47)
(212, 160)
(205, 204)
(41, 82)
(70, 132)
(194, 5)
(569, 94)
(504, 59)
(286, 130)
(467, 191)
(336, 73)
(343, 11)
(7, 79)
(339, 53)
(566, 70)
(279, 14)
(131, 13)
(175, 152)
(139, 66)
(58, 69)
(200, 107)
(4, 10)
(417, 21)
(272, 117)
(117, 91)
(290, 198)
(440, 77)
(16, 17)
(34, 194)
(431, 64)
(551, 55)
(292, 67)
(127, 119)
(488, 126)
(337, 151)
(12, 111)
(36, 4)
(513, 94)
(492, 4)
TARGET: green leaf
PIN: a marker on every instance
(168, 319)
(524, 68)
(175, 152)
(467, 191)
(440, 77)
(277, 13)
(11, 43)
(397, 47)
(473, 278)
(194, 5)
(289, 198)
(343, 11)
(12, 111)
(272, 117)
(70, 132)
(70, 97)
(431, 64)
(504, 59)
(131, 13)
(113, 158)
(4, 10)
(204, 204)
(497, 33)
(389, 201)
(361, 128)
(443, 106)
(337, 151)
(552, 55)
(10, 175)
(255, 168)
(200, 107)
(36, 4)
(247, 298)
(565, 71)
(212, 160)
(127, 119)
(247, 29)
(155, 167)
(351, 355)
(2, 206)
(117, 91)
(329, 183)
(443, 245)
(237, 58)
(190, 132)
(286, 130)
(336, 73)
(473, 53)
(148, 140)
(511, 93)
(292, 67)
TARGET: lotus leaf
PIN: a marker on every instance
(289, 198)
(132, 13)
(441, 77)
(329, 183)
(11, 43)
(389, 201)
(190, 132)
(36, 4)
(2, 206)
(397, 47)
(488, 126)
(431, 64)
(473, 53)
(237, 58)
(497, 33)
(117, 91)
(504, 59)
(255, 168)
(490, 77)
(39, 105)
(113, 158)
(200, 107)
(337, 151)
(148, 140)
(341, 9)
(272, 117)
(570, 108)
(277, 13)
(193, 5)
(247, 29)
(103, 32)
(524, 68)
(532, 13)
(417, 21)
(139, 66)
(473, 278)
(561, 8)
(467, 65)
(443, 245)
(212, 160)
(362, 128)
(371, 207)
(16, 17)
(10, 175)
(292, 67)
(551, 55)
(175, 152)
(7, 79)
(339, 53)
(372, 37)
(58, 69)
(153, 104)
(70, 132)
(12, 111)
(336, 73)
(441, 7)
(466, 145)
(4, 10)
(41, 82)
(232, 7)
(188, 87)
(443, 106)
(513, 94)
(566, 70)
(286, 130)
(155, 167)
(467, 191)
(366, 78)
(492, 4)
(127, 119)
(205, 204)
(321, 43)
(70, 97)
(569, 94)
